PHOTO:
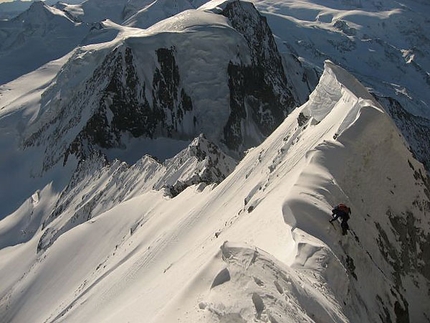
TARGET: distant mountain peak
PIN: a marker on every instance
(39, 14)
(171, 98)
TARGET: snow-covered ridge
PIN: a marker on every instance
(273, 210)
(148, 84)
(354, 169)
(333, 92)
(39, 14)
(97, 186)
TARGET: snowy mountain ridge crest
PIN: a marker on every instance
(297, 174)
(338, 82)
(201, 163)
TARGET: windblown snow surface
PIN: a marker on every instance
(257, 247)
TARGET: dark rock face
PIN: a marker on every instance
(167, 93)
(214, 166)
(415, 129)
(123, 99)
(404, 244)
(124, 108)
(259, 89)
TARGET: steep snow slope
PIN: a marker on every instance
(158, 259)
(20, 104)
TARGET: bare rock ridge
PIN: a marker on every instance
(123, 106)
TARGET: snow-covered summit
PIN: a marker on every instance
(40, 14)
(148, 84)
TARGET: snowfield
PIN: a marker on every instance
(258, 246)
(190, 234)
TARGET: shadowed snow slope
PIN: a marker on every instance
(35, 37)
(258, 246)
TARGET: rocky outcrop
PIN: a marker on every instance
(123, 99)
(258, 91)
(208, 163)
